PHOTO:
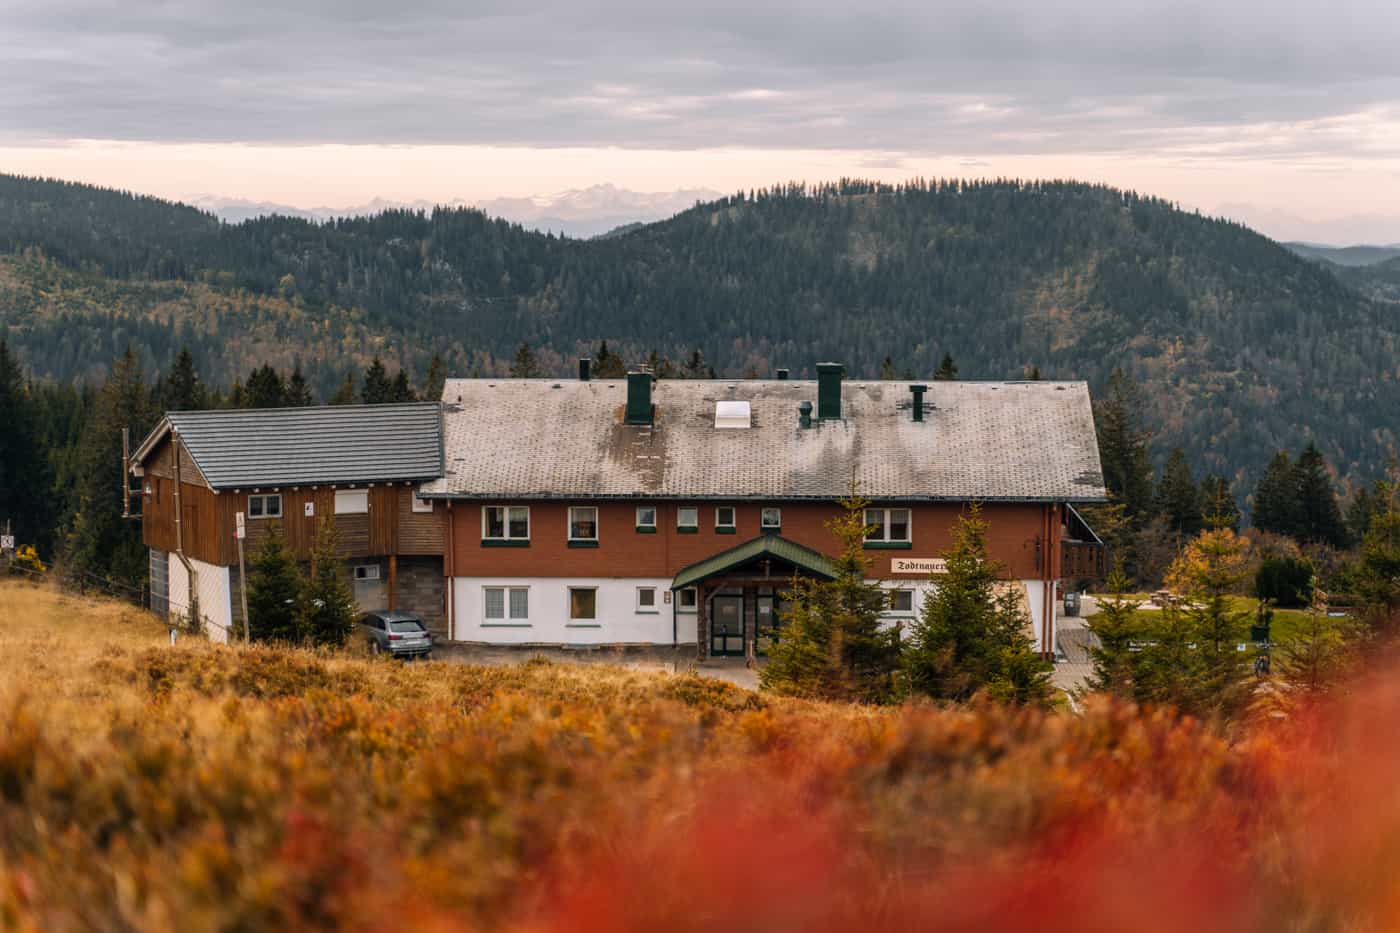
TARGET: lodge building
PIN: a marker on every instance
(582, 512)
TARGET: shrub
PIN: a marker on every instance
(1284, 581)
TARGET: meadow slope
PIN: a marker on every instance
(144, 786)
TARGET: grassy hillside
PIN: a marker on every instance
(1242, 346)
(198, 787)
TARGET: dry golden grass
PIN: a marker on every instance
(249, 788)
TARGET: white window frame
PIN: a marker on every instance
(569, 605)
(901, 612)
(505, 523)
(695, 600)
(506, 618)
(367, 572)
(733, 524)
(420, 505)
(651, 524)
(264, 499)
(884, 525)
(579, 508)
(694, 509)
(351, 498)
(655, 606)
(763, 521)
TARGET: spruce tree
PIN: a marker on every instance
(327, 604)
(834, 645)
(183, 389)
(24, 472)
(274, 590)
(376, 389)
(524, 365)
(1319, 516)
(888, 371)
(265, 389)
(972, 635)
(1123, 443)
(437, 378)
(1377, 575)
(101, 546)
(1218, 506)
(947, 369)
(1276, 506)
(1116, 628)
(606, 364)
(400, 390)
(1178, 498)
(696, 367)
(1210, 570)
(298, 393)
(345, 394)
(1311, 661)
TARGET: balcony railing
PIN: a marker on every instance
(1083, 559)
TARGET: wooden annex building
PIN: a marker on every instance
(358, 466)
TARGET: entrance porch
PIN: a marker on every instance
(738, 594)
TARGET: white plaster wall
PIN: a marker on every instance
(618, 620)
(1035, 593)
(212, 584)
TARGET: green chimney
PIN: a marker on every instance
(638, 398)
(829, 391)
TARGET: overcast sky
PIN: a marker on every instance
(1287, 110)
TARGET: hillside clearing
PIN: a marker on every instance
(144, 786)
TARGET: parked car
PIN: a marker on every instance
(396, 633)
(1071, 603)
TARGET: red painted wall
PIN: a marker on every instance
(1013, 533)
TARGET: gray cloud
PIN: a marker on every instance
(997, 77)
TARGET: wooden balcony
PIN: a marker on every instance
(1083, 560)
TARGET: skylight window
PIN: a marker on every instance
(732, 415)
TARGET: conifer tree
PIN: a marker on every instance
(1319, 516)
(607, 364)
(947, 370)
(437, 378)
(265, 389)
(696, 367)
(24, 474)
(274, 590)
(327, 603)
(834, 644)
(298, 393)
(1276, 506)
(183, 389)
(1116, 628)
(345, 394)
(972, 635)
(400, 390)
(1178, 498)
(101, 545)
(376, 389)
(888, 370)
(524, 365)
(1210, 570)
(1218, 506)
(1312, 660)
(1127, 471)
(1377, 582)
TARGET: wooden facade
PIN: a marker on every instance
(390, 527)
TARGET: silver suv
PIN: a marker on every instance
(396, 633)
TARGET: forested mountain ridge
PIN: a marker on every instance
(1242, 346)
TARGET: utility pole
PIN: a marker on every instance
(240, 532)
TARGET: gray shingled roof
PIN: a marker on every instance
(341, 444)
(545, 438)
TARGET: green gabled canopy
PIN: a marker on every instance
(799, 557)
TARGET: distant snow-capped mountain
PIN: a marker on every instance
(582, 213)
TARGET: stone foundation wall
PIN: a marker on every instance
(421, 589)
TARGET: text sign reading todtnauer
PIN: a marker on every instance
(921, 566)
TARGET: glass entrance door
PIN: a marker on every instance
(727, 626)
